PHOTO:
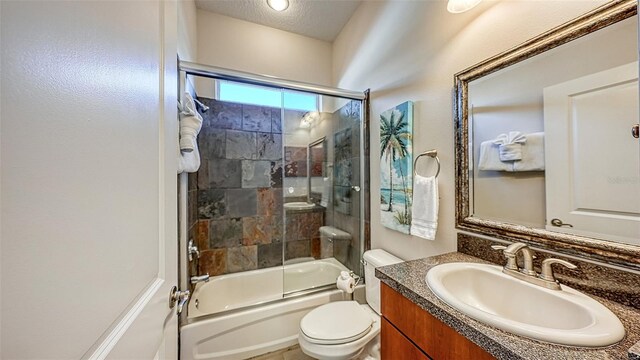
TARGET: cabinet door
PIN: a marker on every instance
(397, 346)
(436, 339)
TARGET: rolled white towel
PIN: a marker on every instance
(190, 124)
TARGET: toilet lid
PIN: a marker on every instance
(336, 323)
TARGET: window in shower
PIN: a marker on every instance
(264, 96)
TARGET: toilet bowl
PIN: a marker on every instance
(344, 330)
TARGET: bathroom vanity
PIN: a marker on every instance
(417, 324)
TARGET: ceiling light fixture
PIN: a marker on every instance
(278, 5)
(460, 6)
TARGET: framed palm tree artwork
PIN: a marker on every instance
(396, 167)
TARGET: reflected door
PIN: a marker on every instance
(593, 161)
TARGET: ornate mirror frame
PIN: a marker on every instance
(610, 252)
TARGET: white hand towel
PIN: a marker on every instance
(510, 146)
(532, 154)
(424, 211)
(490, 158)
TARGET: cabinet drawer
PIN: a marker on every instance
(436, 339)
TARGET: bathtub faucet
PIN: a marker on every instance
(201, 278)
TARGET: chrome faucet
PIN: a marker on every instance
(201, 278)
(545, 279)
(193, 251)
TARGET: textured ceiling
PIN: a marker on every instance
(320, 19)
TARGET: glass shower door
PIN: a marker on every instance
(322, 193)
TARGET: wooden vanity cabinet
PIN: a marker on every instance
(409, 332)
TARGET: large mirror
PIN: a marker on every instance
(546, 146)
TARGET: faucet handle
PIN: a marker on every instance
(511, 258)
(547, 271)
(193, 251)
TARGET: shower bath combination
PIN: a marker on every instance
(274, 213)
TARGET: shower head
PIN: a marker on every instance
(204, 108)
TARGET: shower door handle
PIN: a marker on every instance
(178, 297)
(355, 188)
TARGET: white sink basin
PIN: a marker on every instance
(298, 205)
(485, 293)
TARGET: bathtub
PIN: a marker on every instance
(255, 312)
(239, 290)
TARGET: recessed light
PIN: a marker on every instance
(460, 6)
(278, 5)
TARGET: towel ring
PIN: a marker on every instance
(429, 153)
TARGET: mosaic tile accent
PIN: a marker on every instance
(242, 258)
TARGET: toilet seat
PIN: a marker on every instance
(336, 323)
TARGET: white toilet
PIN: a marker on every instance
(346, 329)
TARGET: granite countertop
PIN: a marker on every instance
(408, 278)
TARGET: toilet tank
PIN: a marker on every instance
(373, 259)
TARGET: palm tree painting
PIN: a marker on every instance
(396, 181)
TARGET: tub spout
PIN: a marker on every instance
(201, 278)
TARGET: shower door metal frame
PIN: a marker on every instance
(186, 68)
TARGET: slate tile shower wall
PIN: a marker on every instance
(238, 189)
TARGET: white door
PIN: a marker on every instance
(592, 159)
(88, 179)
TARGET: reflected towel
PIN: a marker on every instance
(532, 154)
(510, 146)
(424, 210)
(490, 158)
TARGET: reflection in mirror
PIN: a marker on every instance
(319, 179)
(551, 138)
(545, 149)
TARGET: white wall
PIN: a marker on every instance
(187, 30)
(240, 45)
(410, 51)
